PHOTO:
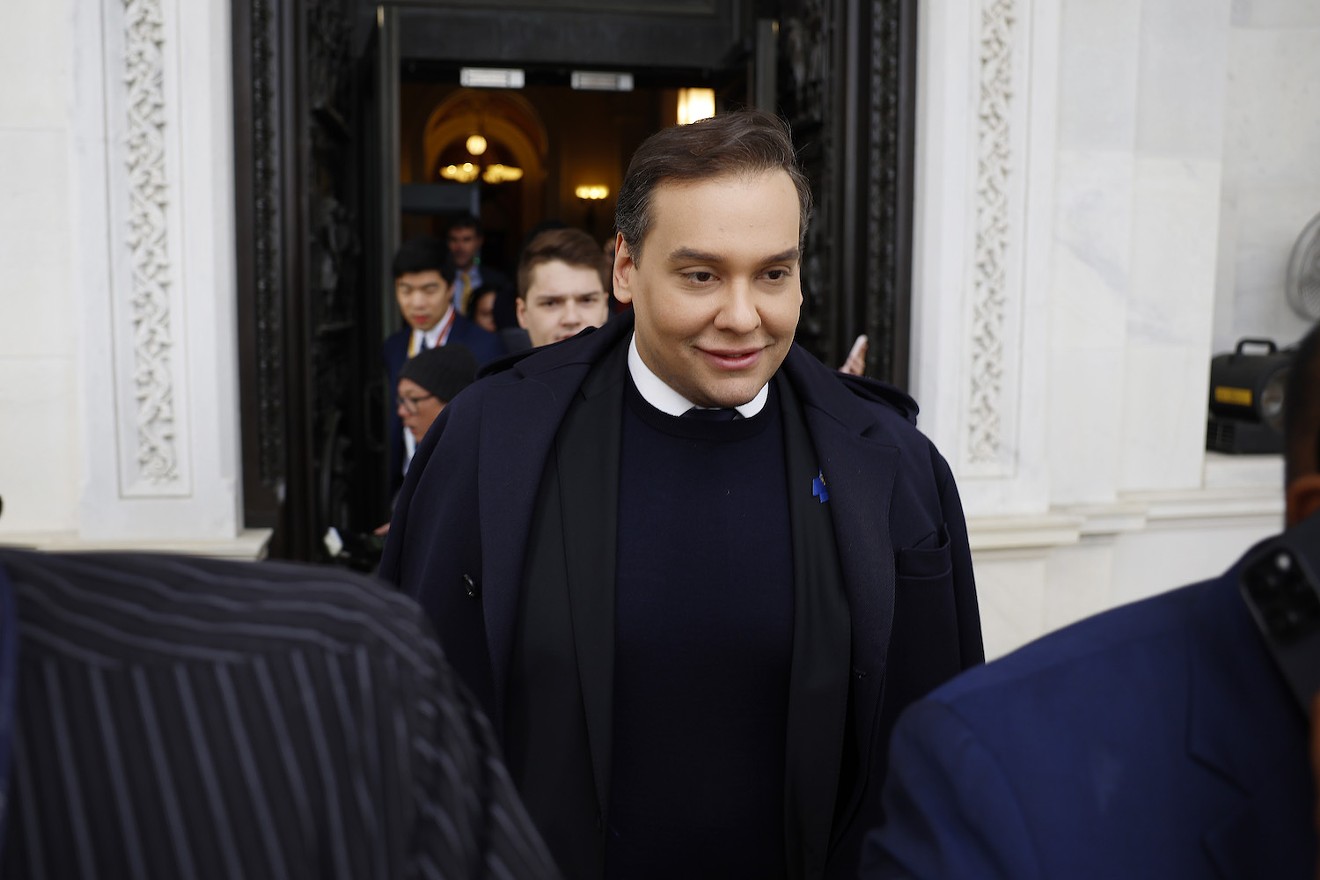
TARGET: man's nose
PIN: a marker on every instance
(738, 312)
(570, 316)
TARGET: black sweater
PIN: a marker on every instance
(704, 637)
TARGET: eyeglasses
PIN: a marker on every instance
(410, 403)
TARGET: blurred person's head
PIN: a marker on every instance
(480, 307)
(423, 282)
(429, 381)
(562, 281)
(465, 240)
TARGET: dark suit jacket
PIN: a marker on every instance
(901, 550)
(484, 345)
(184, 717)
(1155, 740)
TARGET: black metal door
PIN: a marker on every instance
(847, 84)
(305, 323)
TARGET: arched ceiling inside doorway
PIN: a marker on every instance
(506, 118)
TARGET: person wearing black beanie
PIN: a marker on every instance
(430, 380)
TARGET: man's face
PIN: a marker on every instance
(561, 300)
(417, 408)
(464, 245)
(717, 293)
(423, 298)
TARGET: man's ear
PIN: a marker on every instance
(1303, 498)
(623, 269)
(520, 309)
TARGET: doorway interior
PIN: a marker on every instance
(559, 152)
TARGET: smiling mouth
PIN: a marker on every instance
(732, 360)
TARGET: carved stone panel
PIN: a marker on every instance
(994, 229)
(151, 460)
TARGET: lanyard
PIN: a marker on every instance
(419, 341)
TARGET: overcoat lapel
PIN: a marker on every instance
(514, 450)
(859, 475)
(820, 673)
(587, 455)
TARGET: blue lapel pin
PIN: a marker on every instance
(818, 488)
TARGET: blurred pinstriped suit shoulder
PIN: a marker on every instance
(180, 717)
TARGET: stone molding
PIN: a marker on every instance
(147, 243)
(994, 172)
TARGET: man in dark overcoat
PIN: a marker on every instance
(693, 574)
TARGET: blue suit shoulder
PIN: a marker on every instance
(1094, 643)
(1133, 743)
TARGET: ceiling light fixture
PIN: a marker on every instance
(694, 104)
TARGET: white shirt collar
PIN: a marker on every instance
(655, 392)
(430, 336)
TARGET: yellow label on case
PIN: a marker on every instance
(1233, 396)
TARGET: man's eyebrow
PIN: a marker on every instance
(692, 255)
(566, 295)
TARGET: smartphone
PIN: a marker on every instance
(1280, 583)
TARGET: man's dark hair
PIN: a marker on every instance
(571, 246)
(742, 142)
(423, 254)
(466, 221)
(1301, 410)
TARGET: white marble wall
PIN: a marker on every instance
(982, 243)
(1271, 185)
(40, 332)
(120, 411)
(1166, 149)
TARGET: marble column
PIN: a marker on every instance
(153, 243)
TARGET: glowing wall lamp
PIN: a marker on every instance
(694, 104)
(592, 192)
